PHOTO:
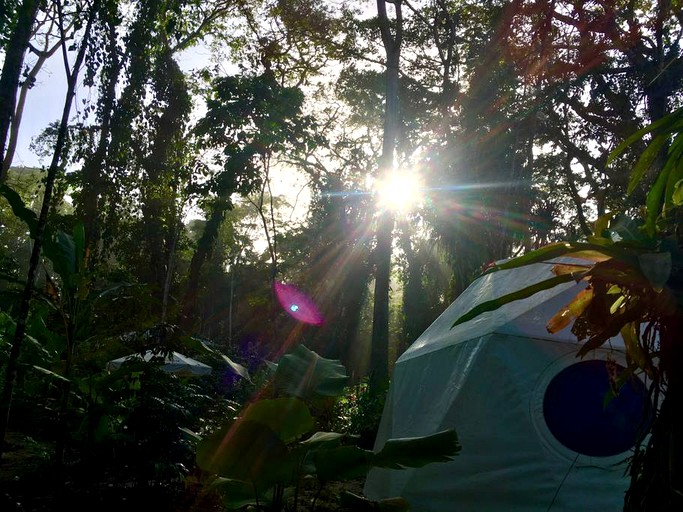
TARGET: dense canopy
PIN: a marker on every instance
(232, 180)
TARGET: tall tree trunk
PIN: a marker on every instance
(92, 182)
(11, 71)
(25, 303)
(379, 358)
(162, 168)
(201, 255)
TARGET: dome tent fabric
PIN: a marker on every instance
(488, 379)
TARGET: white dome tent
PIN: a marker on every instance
(536, 431)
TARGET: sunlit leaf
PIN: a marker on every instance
(524, 293)
(677, 195)
(193, 435)
(571, 311)
(563, 269)
(591, 252)
(634, 351)
(303, 373)
(617, 304)
(51, 373)
(324, 439)
(237, 368)
(675, 176)
(559, 321)
(601, 224)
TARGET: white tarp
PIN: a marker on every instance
(176, 363)
(487, 379)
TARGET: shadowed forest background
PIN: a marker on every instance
(211, 149)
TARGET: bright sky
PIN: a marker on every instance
(45, 102)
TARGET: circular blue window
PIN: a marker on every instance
(586, 417)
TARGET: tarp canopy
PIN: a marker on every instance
(175, 363)
(536, 430)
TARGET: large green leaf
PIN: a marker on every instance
(677, 194)
(248, 451)
(588, 251)
(288, 418)
(78, 236)
(416, 452)
(64, 259)
(675, 176)
(345, 462)
(50, 373)
(492, 305)
(645, 161)
(664, 124)
(19, 209)
(655, 199)
(305, 374)
(326, 439)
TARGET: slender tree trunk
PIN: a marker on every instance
(93, 167)
(19, 112)
(379, 358)
(201, 255)
(11, 71)
(26, 85)
(25, 303)
(158, 194)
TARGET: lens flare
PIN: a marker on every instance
(400, 191)
(297, 304)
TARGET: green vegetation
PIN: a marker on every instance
(267, 452)
(208, 150)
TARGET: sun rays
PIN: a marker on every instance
(399, 192)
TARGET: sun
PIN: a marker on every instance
(401, 191)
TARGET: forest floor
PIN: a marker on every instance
(27, 484)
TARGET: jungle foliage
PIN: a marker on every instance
(206, 150)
